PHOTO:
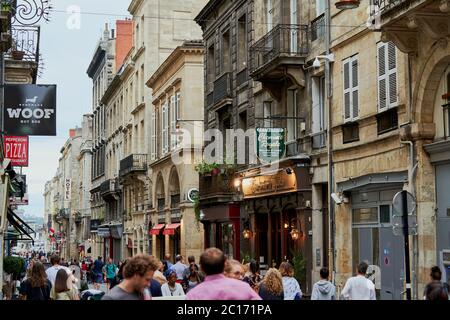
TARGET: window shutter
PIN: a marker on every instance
(166, 126)
(347, 91)
(164, 130)
(154, 140)
(355, 89)
(382, 80)
(177, 114)
(173, 123)
(392, 59)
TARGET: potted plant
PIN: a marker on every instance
(16, 54)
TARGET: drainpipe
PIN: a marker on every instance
(412, 171)
(331, 220)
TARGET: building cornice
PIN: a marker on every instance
(134, 6)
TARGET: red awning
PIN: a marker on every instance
(156, 230)
(171, 228)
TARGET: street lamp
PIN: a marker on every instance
(317, 63)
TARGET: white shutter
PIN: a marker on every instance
(347, 91)
(173, 123)
(351, 89)
(154, 139)
(164, 129)
(355, 89)
(392, 72)
(167, 128)
(387, 76)
(177, 114)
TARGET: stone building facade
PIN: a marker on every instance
(177, 131)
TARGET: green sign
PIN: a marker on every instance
(270, 144)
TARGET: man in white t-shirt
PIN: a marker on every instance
(53, 270)
(359, 287)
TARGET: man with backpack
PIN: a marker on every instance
(110, 271)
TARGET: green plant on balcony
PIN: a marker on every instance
(207, 168)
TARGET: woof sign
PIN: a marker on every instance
(16, 149)
(30, 110)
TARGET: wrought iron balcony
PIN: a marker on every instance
(135, 163)
(285, 45)
(63, 214)
(318, 28)
(216, 188)
(389, 8)
(109, 189)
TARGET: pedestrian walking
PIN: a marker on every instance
(64, 288)
(359, 287)
(323, 289)
(172, 288)
(271, 287)
(216, 286)
(137, 273)
(291, 287)
(179, 267)
(155, 288)
(252, 276)
(234, 269)
(53, 270)
(194, 278)
(111, 271)
(37, 287)
(432, 289)
(97, 272)
(167, 265)
(159, 275)
(119, 276)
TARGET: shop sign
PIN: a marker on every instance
(103, 232)
(30, 110)
(281, 182)
(16, 149)
(270, 144)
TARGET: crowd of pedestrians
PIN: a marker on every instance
(144, 277)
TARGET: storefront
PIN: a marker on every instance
(277, 218)
(223, 228)
(373, 239)
(112, 240)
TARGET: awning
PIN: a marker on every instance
(156, 230)
(24, 229)
(171, 228)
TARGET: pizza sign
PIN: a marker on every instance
(16, 149)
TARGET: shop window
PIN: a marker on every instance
(350, 132)
(365, 215)
(387, 121)
(385, 214)
(228, 239)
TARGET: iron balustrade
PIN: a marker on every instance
(133, 163)
(318, 28)
(222, 87)
(285, 40)
(383, 6)
(319, 140)
(242, 77)
(109, 186)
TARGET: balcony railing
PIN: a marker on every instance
(222, 87)
(63, 214)
(219, 186)
(133, 163)
(161, 217)
(319, 140)
(109, 186)
(175, 215)
(384, 6)
(318, 28)
(284, 41)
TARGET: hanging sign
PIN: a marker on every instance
(16, 149)
(30, 110)
(270, 144)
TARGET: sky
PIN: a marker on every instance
(68, 43)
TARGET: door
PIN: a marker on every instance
(443, 214)
(262, 230)
(391, 265)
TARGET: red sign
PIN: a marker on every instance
(16, 149)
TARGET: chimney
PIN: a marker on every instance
(124, 40)
(112, 33)
(72, 133)
(106, 32)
